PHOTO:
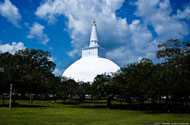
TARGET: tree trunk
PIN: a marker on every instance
(167, 99)
(120, 101)
(14, 100)
(3, 99)
(130, 100)
(10, 97)
(160, 100)
(109, 101)
(141, 100)
(31, 101)
(55, 99)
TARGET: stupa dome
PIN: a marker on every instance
(92, 63)
(87, 68)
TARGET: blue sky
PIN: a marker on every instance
(128, 29)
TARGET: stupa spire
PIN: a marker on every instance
(94, 36)
(94, 22)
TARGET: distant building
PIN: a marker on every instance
(92, 63)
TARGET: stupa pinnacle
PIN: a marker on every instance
(92, 63)
(94, 36)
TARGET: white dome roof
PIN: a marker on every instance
(87, 68)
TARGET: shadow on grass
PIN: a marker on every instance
(148, 108)
(92, 106)
(68, 103)
(79, 102)
(24, 106)
(93, 102)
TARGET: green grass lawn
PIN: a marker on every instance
(50, 113)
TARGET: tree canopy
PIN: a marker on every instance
(30, 72)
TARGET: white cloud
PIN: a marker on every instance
(51, 58)
(10, 11)
(183, 14)
(122, 55)
(158, 14)
(140, 35)
(125, 42)
(58, 72)
(80, 15)
(36, 31)
(11, 48)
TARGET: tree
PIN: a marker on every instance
(4, 86)
(104, 85)
(177, 67)
(27, 70)
(36, 70)
(54, 86)
(138, 79)
(70, 88)
(120, 85)
(84, 89)
(9, 70)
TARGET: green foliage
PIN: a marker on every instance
(28, 70)
(69, 89)
(145, 80)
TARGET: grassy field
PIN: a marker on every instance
(50, 113)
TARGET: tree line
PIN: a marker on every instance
(30, 73)
(164, 82)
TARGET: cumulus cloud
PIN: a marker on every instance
(126, 42)
(11, 48)
(10, 11)
(139, 32)
(183, 14)
(37, 32)
(58, 72)
(80, 15)
(158, 14)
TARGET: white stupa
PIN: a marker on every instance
(92, 63)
